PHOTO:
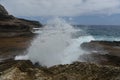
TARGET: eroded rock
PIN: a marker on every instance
(105, 52)
(25, 70)
(11, 26)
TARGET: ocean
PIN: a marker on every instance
(59, 42)
(101, 32)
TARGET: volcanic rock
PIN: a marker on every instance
(25, 70)
(105, 52)
(12, 26)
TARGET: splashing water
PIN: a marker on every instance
(55, 45)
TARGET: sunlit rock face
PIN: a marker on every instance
(25, 70)
(11, 26)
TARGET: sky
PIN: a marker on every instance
(75, 11)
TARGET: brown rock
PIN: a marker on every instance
(25, 70)
(105, 52)
(11, 26)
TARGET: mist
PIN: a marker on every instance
(55, 45)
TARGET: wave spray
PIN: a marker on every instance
(56, 45)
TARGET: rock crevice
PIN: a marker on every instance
(25, 70)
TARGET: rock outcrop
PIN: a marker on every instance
(12, 26)
(25, 70)
(13, 46)
(105, 52)
(108, 54)
(3, 12)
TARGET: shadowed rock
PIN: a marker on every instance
(3, 12)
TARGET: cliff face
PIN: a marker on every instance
(3, 11)
(12, 26)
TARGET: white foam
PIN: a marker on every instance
(22, 57)
(55, 45)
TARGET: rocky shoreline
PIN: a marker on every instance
(25, 70)
(11, 26)
(105, 54)
(108, 67)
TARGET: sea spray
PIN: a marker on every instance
(55, 44)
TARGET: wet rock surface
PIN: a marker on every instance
(12, 46)
(105, 52)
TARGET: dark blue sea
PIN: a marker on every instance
(101, 32)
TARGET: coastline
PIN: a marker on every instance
(14, 37)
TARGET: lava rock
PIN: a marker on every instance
(105, 52)
(11, 26)
(25, 70)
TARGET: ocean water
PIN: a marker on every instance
(59, 42)
(101, 32)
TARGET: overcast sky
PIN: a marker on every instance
(67, 8)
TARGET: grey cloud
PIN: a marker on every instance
(61, 7)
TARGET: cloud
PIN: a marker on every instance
(61, 7)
